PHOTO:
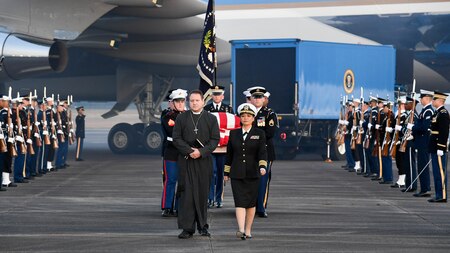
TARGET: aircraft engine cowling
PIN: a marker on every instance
(23, 56)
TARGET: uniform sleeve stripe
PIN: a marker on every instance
(442, 145)
(227, 168)
(263, 163)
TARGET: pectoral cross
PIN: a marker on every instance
(195, 130)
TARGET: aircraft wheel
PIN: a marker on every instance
(153, 138)
(122, 138)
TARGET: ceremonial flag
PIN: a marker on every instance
(207, 61)
(227, 122)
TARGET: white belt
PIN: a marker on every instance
(169, 138)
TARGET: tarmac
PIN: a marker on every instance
(111, 203)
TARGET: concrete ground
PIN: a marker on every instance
(111, 203)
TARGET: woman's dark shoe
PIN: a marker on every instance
(241, 235)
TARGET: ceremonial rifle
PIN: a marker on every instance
(408, 132)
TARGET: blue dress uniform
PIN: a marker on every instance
(347, 142)
(400, 117)
(421, 139)
(265, 120)
(216, 189)
(61, 155)
(42, 163)
(30, 158)
(376, 156)
(410, 154)
(6, 158)
(170, 169)
(80, 133)
(388, 121)
(438, 147)
(49, 155)
(20, 160)
(367, 161)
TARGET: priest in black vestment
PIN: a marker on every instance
(195, 135)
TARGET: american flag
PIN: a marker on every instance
(227, 122)
(207, 62)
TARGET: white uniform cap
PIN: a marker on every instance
(356, 100)
(424, 93)
(267, 94)
(247, 93)
(402, 100)
(178, 93)
(247, 108)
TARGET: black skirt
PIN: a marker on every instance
(245, 192)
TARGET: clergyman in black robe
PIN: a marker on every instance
(195, 135)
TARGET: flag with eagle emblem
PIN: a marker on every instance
(207, 57)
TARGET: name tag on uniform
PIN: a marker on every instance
(261, 122)
(254, 137)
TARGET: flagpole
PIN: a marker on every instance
(215, 44)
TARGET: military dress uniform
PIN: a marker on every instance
(348, 140)
(79, 133)
(400, 118)
(6, 158)
(216, 189)
(43, 131)
(61, 155)
(366, 152)
(20, 160)
(378, 136)
(438, 148)
(387, 128)
(421, 139)
(266, 120)
(410, 154)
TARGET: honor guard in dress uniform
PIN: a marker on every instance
(421, 138)
(29, 122)
(400, 118)
(6, 157)
(35, 135)
(216, 190)
(266, 120)
(378, 139)
(369, 139)
(163, 113)
(410, 153)
(387, 129)
(79, 132)
(365, 162)
(62, 131)
(248, 96)
(353, 126)
(170, 167)
(438, 146)
(50, 116)
(348, 137)
(19, 118)
(43, 131)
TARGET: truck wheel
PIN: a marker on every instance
(153, 138)
(122, 138)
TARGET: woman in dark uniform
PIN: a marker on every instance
(246, 161)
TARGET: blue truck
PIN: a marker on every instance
(306, 80)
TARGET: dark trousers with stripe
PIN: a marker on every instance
(62, 152)
(263, 190)
(440, 175)
(79, 149)
(170, 178)
(42, 163)
(409, 163)
(348, 151)
(423, 157)
(216, 189)
(19, 163)
(387, 168)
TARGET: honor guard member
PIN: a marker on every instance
(400, 118)
(19, 161)
(370, 135)
(216, 190)
(67, 131)
(356, 117)
(366, 113)
(266, 99)
(5, 157)
(348, 137)
(170, 167)
(35, 133)
(248, 96)
(163, 113)
(378, 139)
(43, 130)
(79, 132)
(410, 154)
(31, 154)
(421, 138)
(266, 120)
(438, 148)
(51, 123)
(387, 130)
(63, 132)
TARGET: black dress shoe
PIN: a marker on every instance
(28, 178)
(79, 160)
(385, 182)
(241, 235)
(38, 175)
(66, 165)
(210, 204)
(397, 186)
(366, 175)
(262, 214)
(433, 200)
(219, 205)
(166, 213)
(422, 194)
(377, 179)
(9, 185)
(344, 166)
(2, 190)
(185, 235)
(204, 232)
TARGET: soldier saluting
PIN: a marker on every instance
(438, 148)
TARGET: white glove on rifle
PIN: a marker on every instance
(398, 128)
(370, 125)
(361, 123)
(354, 128)
(345, 122)
(377, 126)
(389, 129)
(2, 137)
(45, 132)
(29, 141)
(37, 123)
(440, 152)
(36, 135)
(410, 126)
(59, 132)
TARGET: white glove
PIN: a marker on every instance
(377, 126)
(29, 141)
(370, 125)
(45, 132)
(45, 124)
(53, 123)
(2, 137)
(71, 130)
(340, 122)
(354, 128)
(398, 128)
(410, 137)
(389, 129)
(59, 132)
(11, 125)
(345, 122)
(410, 126)
(19, 138)
(53, 136)
(440, 153)
(361, 123)
(36, 135)
(11, 140)
(37, 123)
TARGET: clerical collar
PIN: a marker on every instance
(197, 113)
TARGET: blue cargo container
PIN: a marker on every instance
(306, 80)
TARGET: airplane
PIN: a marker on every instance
(136, 50)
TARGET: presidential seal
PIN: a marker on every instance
(349, 81)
